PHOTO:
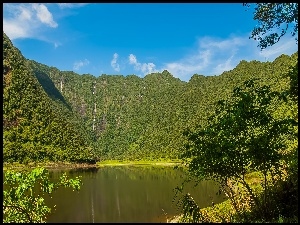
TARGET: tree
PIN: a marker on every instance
(243, 135)
(293, 75)
(21, 202)
(272, 16)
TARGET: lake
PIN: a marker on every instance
(125, 194)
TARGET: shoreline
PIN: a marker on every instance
(48, 166)
(65, 165)
(137, 163)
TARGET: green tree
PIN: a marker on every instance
(243, 135)
(22, 203)
(272, 16)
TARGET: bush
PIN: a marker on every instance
(21, 203)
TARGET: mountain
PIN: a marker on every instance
(37, 120)
(119, 117)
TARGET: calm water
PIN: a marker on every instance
(125, 194)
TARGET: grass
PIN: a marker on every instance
(20, 166)
(16, 165)
(138, 163)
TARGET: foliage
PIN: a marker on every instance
(293, 75)
(135, 118)
(35, 127)
(22, 202)
(219, 213)
(228, 146)
(242, 135)
(143, 118)
(191, 211)
(282, 202)
(271, 16)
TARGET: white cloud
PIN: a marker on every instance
(132, 59)
(77, 65)
(25, 14)
(71, 5)
(216, 43)
(13, 30)
(145, 68)
(213, 56)
(44, 15)
(189, 65)
(114, 63)
(285, 45)
(25, 20)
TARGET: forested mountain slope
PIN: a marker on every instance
(60, 113)
(143, 118)
(36, 127)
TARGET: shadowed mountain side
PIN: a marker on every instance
(50, 88)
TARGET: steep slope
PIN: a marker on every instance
(139, 118)
(35, 129)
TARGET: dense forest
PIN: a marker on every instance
(53, 115)
(38, 124)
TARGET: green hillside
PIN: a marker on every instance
(37, 126)
(61, 115)
(143, 118)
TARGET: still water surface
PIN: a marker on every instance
(125, 194)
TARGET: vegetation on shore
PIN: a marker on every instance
(137, 163)
(51, 165)
(22, 203)
(254, 131)
(226, 212)
(48, 165)
(221, 212)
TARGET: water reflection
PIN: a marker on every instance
(125, 194)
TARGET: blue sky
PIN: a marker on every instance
(138, 38)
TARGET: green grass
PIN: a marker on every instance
(140, 162)
(16, 165)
